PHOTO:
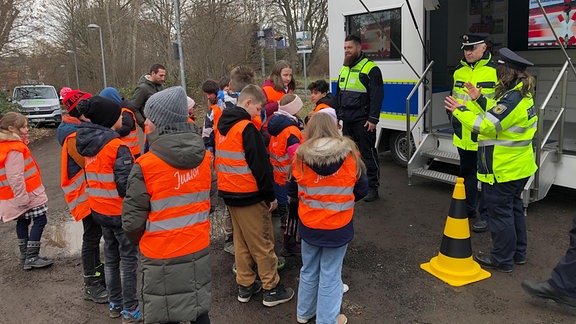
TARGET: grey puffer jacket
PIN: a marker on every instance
(174, 289)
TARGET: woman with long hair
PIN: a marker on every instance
(505, 156)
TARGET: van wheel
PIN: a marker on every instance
(399, 148)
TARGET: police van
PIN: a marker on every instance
(416, 44)
(39, 102)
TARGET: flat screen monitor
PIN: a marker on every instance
(562, 16)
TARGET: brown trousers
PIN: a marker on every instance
(254, 245)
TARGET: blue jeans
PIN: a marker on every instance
(22, 225)
(320, 289)
(120, 268)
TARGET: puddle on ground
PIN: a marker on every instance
(64, 238)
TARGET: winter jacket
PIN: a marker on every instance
(23, 201)
(143, 91)
(325, 157)
(256, 158)
(360, 101)
(90, 140)
(174, 289)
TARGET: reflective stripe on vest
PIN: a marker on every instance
(32, 177)
(102, 192)
(178, 223)
(278, 153)
(325, 202)
(74, 188)
(132, 140)
(234, 174)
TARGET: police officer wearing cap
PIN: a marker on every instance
(505, 156)
(478, 69)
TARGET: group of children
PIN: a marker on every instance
(159, 203)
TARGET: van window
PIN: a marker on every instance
(376, 34)
(35, 93)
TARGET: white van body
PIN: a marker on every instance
(40, 103)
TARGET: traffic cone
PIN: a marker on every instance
(454, 264)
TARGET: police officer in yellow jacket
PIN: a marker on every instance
(359, 94)
(505, 156)
(478, 69)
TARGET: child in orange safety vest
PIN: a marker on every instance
(285, 136)
(108, 162)
(328, 177)
(167, 213)
(73, 183)
(22, 195)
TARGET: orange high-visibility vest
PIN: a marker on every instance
(74, 188)
(279, 156)
(271, 95)
(325, 202)
(321, 106)
(32, 176)
(132, 140)
(178, 223)
(102, 192)
(234, 174)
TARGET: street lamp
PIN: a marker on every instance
(67, 77)
(75, 67)
(94, 26)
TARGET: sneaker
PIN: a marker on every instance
(115, 310)
(131, 316)
(346, 288)
(342, 319)
(278, 295)
(301, 320)
(245, 293)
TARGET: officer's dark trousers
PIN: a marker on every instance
(365, 141)
(468, 169)
(506, 221)
(564, 275)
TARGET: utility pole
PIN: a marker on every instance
(179, 39)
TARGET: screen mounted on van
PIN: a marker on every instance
(377, 31)
(562, 16)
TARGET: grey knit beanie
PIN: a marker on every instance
(168, 106)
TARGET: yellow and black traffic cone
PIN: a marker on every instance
(454, 264)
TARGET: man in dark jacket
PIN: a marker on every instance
(166, 211)
(147, 85)
(360, 93)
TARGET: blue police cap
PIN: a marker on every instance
(513, 60)
(473, 39)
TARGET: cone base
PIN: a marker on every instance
(455, 277)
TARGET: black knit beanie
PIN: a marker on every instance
(102, 111)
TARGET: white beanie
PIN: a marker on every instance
(166, 107)
(292, 107)
(191, 102)
(329, 111)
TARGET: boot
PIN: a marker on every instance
(32, 258)
(22, 243)
(100, 274)
(94, 290)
